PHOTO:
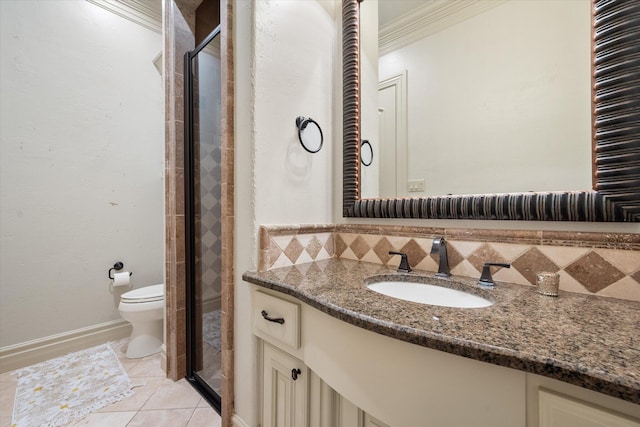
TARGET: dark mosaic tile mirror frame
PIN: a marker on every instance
(615, 128)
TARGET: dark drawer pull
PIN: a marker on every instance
(271, 319)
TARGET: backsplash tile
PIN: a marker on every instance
(532, 262)
(381, 249)
(605, 264)
(298, 247)
(485, 253)
(594, 272)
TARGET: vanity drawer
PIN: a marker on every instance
(276, 320)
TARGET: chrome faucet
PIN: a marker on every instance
(486, 279)
(404, 266)
(440, 245)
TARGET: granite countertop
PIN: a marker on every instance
(589, 341)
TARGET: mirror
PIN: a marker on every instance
(616, 140)
(502, 101)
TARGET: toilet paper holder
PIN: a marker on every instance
(117, 266)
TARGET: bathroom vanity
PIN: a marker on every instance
(335, 353)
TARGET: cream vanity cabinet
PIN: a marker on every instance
(292, 394)
(552, 403)
(319, 371)
(285, 383)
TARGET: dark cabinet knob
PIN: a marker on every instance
(294, 373)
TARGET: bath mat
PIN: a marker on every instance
(67, 388)
(211, 329)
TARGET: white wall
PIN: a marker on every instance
(293, 72)
(81, 157)
(286, 62)
(503, 99)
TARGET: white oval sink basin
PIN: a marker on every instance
(429, 294)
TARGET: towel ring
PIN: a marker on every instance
(309, 134)
(366, 152)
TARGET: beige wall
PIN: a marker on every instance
(81, 165)
(286, 67)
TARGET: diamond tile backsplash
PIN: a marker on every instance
(593, 263)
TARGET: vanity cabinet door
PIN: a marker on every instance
(369, 421)
(322, 403)
(349, 415)
(559, 411)
(284, 389)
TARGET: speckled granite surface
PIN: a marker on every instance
(589, 341)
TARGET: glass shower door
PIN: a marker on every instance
(204, 217)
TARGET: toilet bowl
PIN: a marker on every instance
(144, 309)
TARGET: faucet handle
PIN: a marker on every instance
(404, 266)
(485, 278)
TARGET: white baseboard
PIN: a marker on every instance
(27, 353)
(236, 421)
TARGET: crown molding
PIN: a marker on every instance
(428, 19)
(146, 13)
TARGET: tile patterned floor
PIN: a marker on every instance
(156, 402)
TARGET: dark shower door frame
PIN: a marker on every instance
(192, 376)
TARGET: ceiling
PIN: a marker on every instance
(388, 10)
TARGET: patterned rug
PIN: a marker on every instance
(211, 329)
(67, 388)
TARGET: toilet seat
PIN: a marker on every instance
(147, 294)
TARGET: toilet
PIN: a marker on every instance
(144, 309)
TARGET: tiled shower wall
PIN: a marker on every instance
(605, 264)
(178, 23)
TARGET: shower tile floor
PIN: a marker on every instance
(211, 371)
(156, 402)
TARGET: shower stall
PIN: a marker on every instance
(203, 217)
